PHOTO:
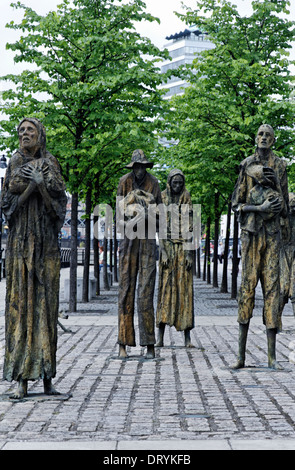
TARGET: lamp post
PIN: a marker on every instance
(3, 165)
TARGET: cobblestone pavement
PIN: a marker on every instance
(183, 399)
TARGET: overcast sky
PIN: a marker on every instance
(163, 9)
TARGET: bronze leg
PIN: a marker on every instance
(243, 333)
(271, 348)
(160, 342)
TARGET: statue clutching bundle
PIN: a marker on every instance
(262, 201)
(139, 191)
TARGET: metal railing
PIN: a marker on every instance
(65, 257)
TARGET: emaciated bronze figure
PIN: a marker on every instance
(137, 258)
(261, 200)
(287, 258)
(175, 291)
(34, 203)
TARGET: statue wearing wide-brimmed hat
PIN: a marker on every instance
(138, 156)
(137, 258)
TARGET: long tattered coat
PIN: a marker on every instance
(33, 268)
(261, 241)
(175, 306)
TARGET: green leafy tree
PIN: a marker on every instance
(93, 84)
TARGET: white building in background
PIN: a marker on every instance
(183, 48)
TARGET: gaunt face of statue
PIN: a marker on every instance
(28, 136)
(265, 137)
(177, 184)
(139, 170)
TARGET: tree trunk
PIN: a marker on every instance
(224, 285)
(198, 263)
(115, 254)
(205, 259)
(74, 253)
(96, 258)
(216, 235)
(98, 284)
(85, 295)
(208, 251)
(194, 268)
(105, 264)
(235, 259)
(111, 260)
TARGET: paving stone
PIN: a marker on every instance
(185, 397)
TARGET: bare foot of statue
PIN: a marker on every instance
(22, 390)
(238, 365)
(49, 388)
(122, 351)
(150, 352)
(273, 364)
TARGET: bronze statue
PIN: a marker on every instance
(261, 200)
(287, 258)
(34, 204)
(137, 257)
(175, 291)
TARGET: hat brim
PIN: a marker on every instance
(145, 163)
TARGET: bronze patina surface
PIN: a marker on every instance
(137, 259)
(34, 204)
(262, 202)
(175, 290)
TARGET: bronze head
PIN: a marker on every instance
(32, 135)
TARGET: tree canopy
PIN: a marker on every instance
(242, 82)
(93, 84)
